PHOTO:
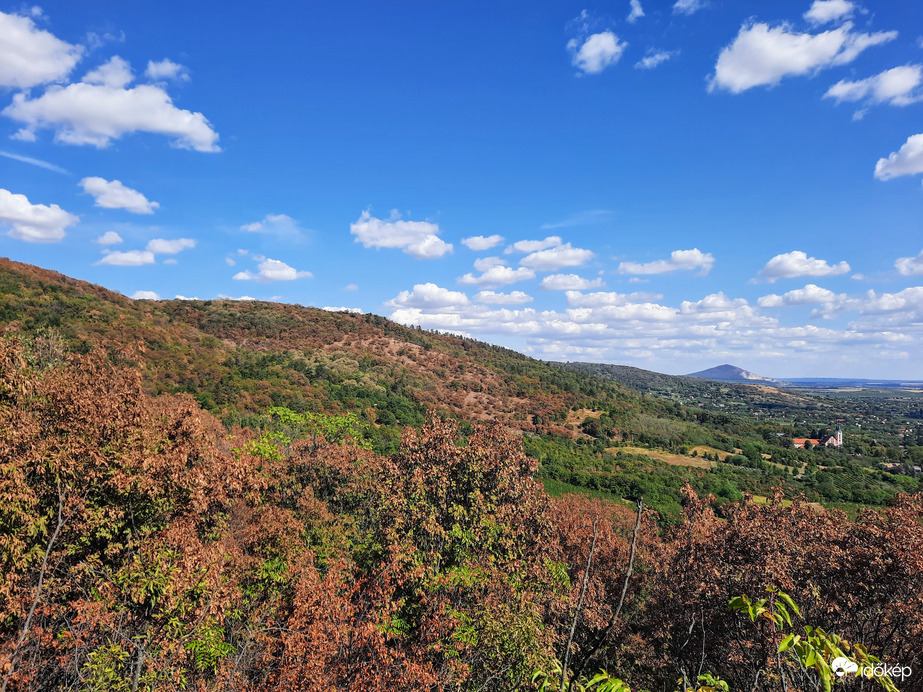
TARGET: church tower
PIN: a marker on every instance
(839, 435)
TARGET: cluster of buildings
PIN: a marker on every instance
(835, 440)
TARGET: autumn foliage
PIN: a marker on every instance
(143, 546)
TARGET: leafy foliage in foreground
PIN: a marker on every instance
(142, 548)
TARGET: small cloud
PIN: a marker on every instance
(680, 260)
(171, 260)
(33, 223)
(597, 52)
(224, 297)
(428, 295)
(116, 73)
(114, 195)
(419, 239)
(907, 161)
(636, 11)
(480, 242)
(497, 275)
(583, 218)
(534, 245)
(128, 258)
(272, 270)
(688, 6)
(160, 246)
(652, 59)
(557, 258)
(108, 238)
(144, 295)
(910, 266)
(794, 264)
(230, 261)
(279, 225)
(569, 282)
(166, 69)
(761, 55)
(899, 86)
(825, 11)
(355, 311)
(495, 298)
(350, 287)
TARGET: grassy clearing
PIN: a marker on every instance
(668, 457)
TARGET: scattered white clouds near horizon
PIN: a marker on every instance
(762, 55)
(795, 264)
(30, 56)
(33, 223)
(596, 52)
(480, 242)
(145, 295)
(34, 162)
(557, 257)
(272, 270)
(680, 260)
(569, 282)
(810, 294)
(653, 59)
(826, 11)
(908, 160)
(419, 239)
(910, 266)
(109, 238)
(354, 311)
(636, 11)
(112, 194)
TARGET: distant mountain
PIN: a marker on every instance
(731, 373)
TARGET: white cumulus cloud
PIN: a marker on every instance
(161, 246)
(680, 260)
(30, 56)
(810, 294)
(429, 296)
(418, 239)
(480, 242)
(534, 245)
(907, 161)
(33, 223)
(497, 275)
(762, 55)
(597, 52)
(899, 86)
(569, 282)
(825, 11)
(116, 73)
(112, 194)
(557, 258)
(495, 298)
(127, 258)
(272, 270)
(165, 69)
(797, 263)
(910, 266)
(145, 295)
(109, 238)
(96, 114)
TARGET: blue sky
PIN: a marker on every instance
(670, 185)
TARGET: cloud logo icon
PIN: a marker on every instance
(842, 665)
